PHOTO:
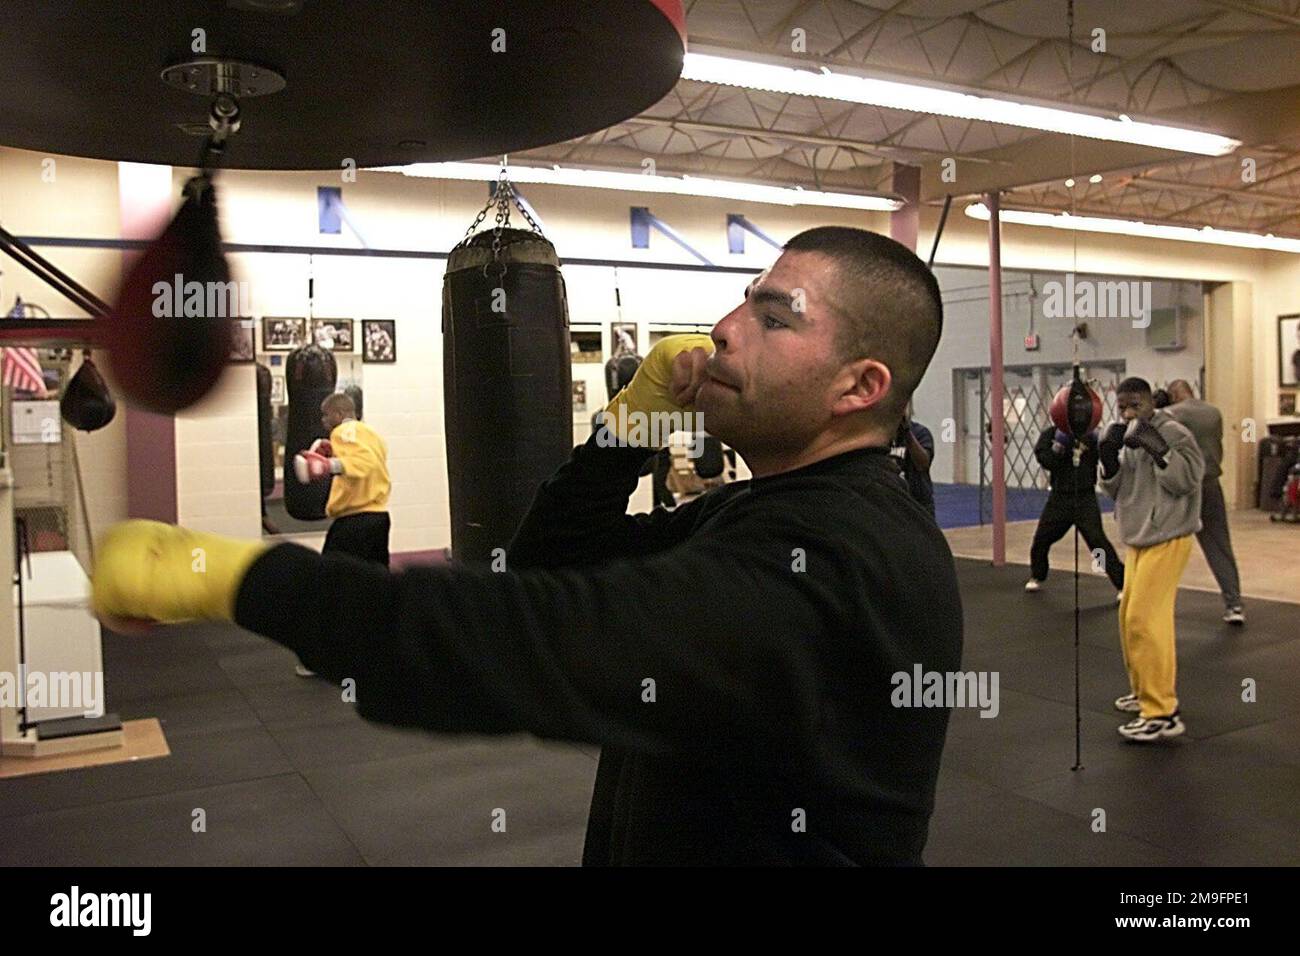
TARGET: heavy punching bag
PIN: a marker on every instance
(507, 384)
(310, 374)
(265, 451)
(619, 372)
(354, 392)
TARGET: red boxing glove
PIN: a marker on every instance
(309, 467)
(322, 446)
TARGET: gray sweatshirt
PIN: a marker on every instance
(1205, 423)
(1154, 505)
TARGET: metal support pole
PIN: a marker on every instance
(997, 417)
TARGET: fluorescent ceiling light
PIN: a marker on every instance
(928, 99)
(649, 183)
(1128, 227)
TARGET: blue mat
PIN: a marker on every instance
(958, 506)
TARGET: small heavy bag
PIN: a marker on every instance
(87, 405)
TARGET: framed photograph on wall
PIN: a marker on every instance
(622, 339)
(378, 340)
(1286, 403)
(1288, 350)
(579, 396)
(584, 346)
(277, 390)
(333, 334)
(242, 346)
(281, 334)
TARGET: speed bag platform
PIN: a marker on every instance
(507, 384)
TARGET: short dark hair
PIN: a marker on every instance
(1134, 386)
(891, 300)
(340, 402)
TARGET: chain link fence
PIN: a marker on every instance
(1027, 399)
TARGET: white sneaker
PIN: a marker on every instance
(1128, 704)
(1144, 730)
(1234, 615)
(302, 671)
(1033, 584)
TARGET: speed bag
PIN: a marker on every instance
(1076, 408)
(265, 451)
(507, 384)
(169, 334)
(310, 374)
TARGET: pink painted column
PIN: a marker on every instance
(905, 223)
(997, 418)
(146, 201)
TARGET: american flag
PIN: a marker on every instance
(20, 367)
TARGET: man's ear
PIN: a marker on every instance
(864, 384)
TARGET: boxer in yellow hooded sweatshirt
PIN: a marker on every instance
(355, 460)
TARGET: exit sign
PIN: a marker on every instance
(1031, 342)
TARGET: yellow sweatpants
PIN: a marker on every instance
(1146, 622)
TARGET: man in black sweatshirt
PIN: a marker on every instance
(751, 663)
(1072, 501)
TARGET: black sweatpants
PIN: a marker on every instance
(363, 536)
(1062, 511)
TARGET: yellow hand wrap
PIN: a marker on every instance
(650, 391)
(153, 571)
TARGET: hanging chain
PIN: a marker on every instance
(482, 214)
(503, 191)
(501, 198)
(523, 210)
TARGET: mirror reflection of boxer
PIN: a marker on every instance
(355, 460)
(757, 665)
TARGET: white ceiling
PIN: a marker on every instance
(1230, 66)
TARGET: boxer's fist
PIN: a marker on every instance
(1147, 437)
(150, 571)
(1109, 447)
(310, 466)
(322, 447)
(665, 383)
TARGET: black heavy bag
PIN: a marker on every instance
(507, 384)
(354, 392)
(619, 372)
(265, 452)
(710, 464)
(310, 374)
(87, 405)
